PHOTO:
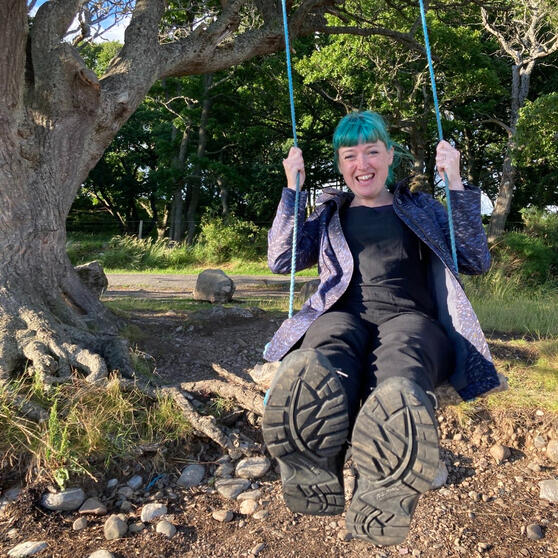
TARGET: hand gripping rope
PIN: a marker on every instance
(293, 119)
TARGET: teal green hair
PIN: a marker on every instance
(364, 127)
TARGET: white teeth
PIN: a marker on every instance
(365, 177)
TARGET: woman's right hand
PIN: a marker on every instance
(294, 164)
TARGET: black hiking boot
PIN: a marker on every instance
(396, 453)
(305, 426)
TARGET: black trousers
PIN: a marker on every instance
(367, 347)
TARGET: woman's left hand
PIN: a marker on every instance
(447, 160)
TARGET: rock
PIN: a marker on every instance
(250, 495)
(260, 514)
(257, 549)
(125, 506)
(500, 453)
(135, 482)
(115, 528)
(101, 554)
(344, 535)
(112, 483)
(263, 374)
(93, 506)
(224, 516)
(214, 285)
(12, 494)
(549, 490)
(308, 289)
(231, 488)
(539, 442)
(166, 528)
(248, 507)
(534, 532)
(441, 476)
(552, 450)
(12, 533)
(79, 524)
(67, 500)
(28, 548)
(93, 277)
(252, 467)
(150, 512)
(125, 491)
(136, 527)
(225, 470)
(192, 475)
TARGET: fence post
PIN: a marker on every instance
(140, 229)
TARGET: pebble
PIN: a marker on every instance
(125, 492)
(93, 506)
(79, 524)
(231, 488)
(534, 532)
(115, 527)
(136, 527)
(150, 512)
(248, 507)
(12, 533)
(539, 413)
(539, 442)
(483, 546)
(101, 554)
(260, 514)
(441, 476)
(500, 453)
(552, 450)
(166, 528)
(125, 506)
(192, 475)
(344, 535)
(224, 516)
(67, 500)
(252, 467)
(250, 495)
(257, 549)
(112, 483)
(549, 490)
(28, 548)
(225, 470)
(135, 482)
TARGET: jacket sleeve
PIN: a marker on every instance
(280, 236)
(473, 256)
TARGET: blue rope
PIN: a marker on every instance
(440, 132)
(297, 191)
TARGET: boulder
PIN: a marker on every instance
(214, 285)
(93, 277)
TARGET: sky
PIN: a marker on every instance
(115, 33)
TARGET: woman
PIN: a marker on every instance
(389, 322)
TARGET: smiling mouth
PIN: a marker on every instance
(364, 177)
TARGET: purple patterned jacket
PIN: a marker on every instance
(320, 239)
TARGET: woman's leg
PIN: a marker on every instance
(395, 438)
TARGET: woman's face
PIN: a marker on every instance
(365, 168)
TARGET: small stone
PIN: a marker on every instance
(231, 488)
(539, 413)
(535, 467)
(135, 482)
(67, 500)
(101, 554)
(539, 442)
(115, 528)
(225, 470)
(549, 490)
(483, 546)
(224, 516)
(252, 467)
(248, 507)
(28, 548)
(192, 475)
(125, 506)
(416, 552)
(474, 495)
(150, 512)
(250, 495)
(136, 527)
(125, 492)
(403, 550)
(79, 524)
(260, 514)
(112, 483)
(500, 453)
(552, 450)
(458, 437)
(441, 476)
(257, 549)
(166, 528)
(12, 533)
(344, 535)
(93, 506)
(534, 532)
